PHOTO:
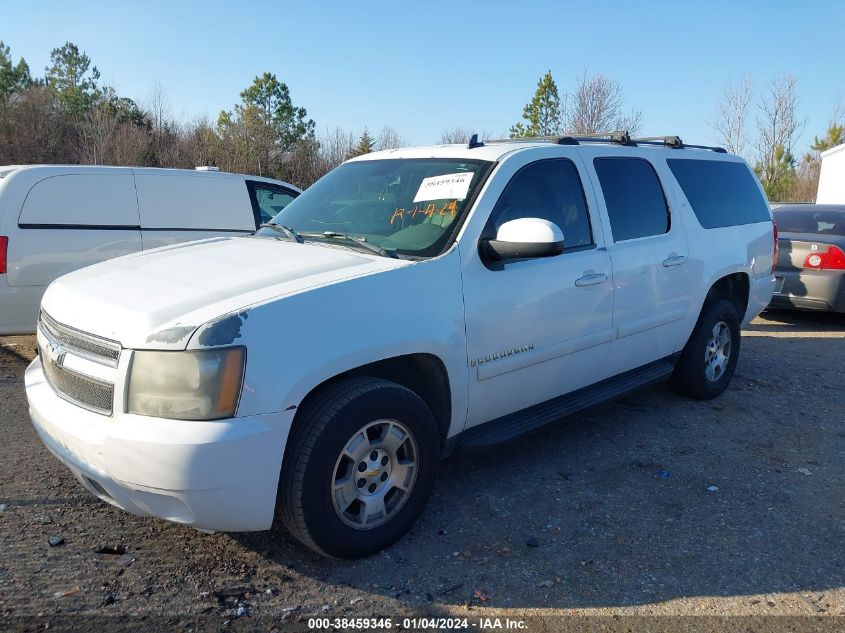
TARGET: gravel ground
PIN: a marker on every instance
(651, 505)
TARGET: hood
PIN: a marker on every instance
(157, 299)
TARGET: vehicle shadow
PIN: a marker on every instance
(648, 499)
(16, 350)
(787, 320)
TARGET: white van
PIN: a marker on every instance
(57, 218)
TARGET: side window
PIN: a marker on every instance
(269, 199)
(548, 189)
(634, 197)
(721, 193)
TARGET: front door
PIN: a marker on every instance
(538, 328)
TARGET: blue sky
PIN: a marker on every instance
(421, 67)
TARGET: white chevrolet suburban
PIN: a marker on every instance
(58, 218)
(410, 303)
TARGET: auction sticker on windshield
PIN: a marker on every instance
(445, 187)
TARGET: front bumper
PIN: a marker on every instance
(219, 475)
(810, 290)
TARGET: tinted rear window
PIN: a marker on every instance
(721, 193)
(634, 198)
(824, 222)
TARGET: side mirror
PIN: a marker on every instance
(525, 238)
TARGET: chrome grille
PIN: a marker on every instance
(57, 345)
(97, 349)
(79, 389)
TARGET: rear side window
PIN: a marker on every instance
(92, 200)
(551, 190)
(721, 193)
(810, 220)
(634, 197)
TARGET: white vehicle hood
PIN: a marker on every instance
(157, 299)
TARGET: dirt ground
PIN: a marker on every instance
(650, 505)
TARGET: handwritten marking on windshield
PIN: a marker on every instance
(450, 208)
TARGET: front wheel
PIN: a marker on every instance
(709, 359)
(359, 467)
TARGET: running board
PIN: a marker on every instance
(533, 418)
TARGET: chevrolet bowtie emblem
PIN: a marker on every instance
(55, 353)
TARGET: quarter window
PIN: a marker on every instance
(721, 193)
(636, 204)
(270, 200)
(550, 190)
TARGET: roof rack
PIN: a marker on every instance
(674, 142)
(617, 137)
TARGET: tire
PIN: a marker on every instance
(347, 417)
(692, 377)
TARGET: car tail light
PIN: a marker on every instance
(832, 259)
(4, 245)
(777, 248)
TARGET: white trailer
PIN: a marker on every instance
(832, 177)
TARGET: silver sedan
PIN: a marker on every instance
(810, 271)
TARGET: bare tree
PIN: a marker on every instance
(389, 138)
(730, 121)
(34, 129)
(778, 127)
(96, 132)
(461, 135)
(158, 110)
(598, 106)
(335, 145)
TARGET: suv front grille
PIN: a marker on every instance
(79, 389)
(56, 342)
(98, 349)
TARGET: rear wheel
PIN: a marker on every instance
(709, 359)
(359, 467)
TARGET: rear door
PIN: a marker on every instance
(649, 255)
(73, 220)
(185, 206)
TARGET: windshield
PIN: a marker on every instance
(821, 222)
(407, 206)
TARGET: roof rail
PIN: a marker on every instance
(674, 142)
(619, 137)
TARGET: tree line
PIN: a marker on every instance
(67, 115)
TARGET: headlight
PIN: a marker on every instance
(191, 385)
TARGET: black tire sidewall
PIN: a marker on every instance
(324, 526)
(694, 371)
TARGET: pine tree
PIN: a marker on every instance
(13, 77)
(365, 145)
(69, 78)
(543, 116)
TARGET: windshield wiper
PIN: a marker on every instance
(360, 241)
(288, 232)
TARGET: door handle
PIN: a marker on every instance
(591, 280)
(674, 260)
